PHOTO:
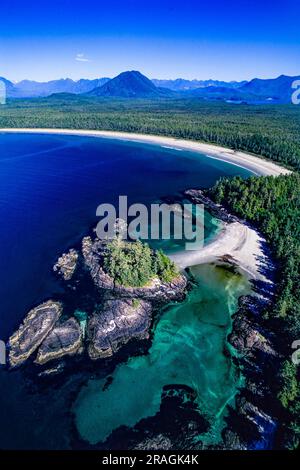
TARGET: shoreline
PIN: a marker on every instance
(255, 164)
(244, 246)
(238, 242)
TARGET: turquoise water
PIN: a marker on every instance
(187, 349)
(50, 187)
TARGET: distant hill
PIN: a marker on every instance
(7, 82)
(215, 93)
(180, 84)
(32, 89)
(8, 85)
(278, 89)
(131, 84)
(275, 90)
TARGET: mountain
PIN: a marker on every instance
(32, 89)
(180, 84)
(9, 86)
(6, 82)
(133, 84)
(130, 84)
(275, 89)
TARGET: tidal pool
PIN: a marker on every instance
(187, 349)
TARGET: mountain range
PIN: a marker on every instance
(133, 84)
(32, 89)
(180, 84)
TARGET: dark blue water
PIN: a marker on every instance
(50, 187)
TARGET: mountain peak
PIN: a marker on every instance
(129, 84)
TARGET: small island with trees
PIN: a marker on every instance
(113, 287)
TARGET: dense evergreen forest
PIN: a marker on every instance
(270, 131)
(272, 204)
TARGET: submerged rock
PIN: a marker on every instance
(159, 442)
(59, 368)
(34, 329)
(66, 264)
(116, 324)
(64, 340)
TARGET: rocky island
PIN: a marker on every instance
(116, 324)
(35, 328)
(129, 280)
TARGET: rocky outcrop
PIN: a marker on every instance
(251, 424)
(197, 196)
(249, 427)
(232, 441)
(65, 339)
(156, 290)
(177, 425)
(92, 252)
(118, 322)
(248, 338)
(126, 311)
(66, 264)
(34, 329)
(159, 442)
(57, 369)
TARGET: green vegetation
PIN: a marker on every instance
(271, 131)
(136, 303)
(289, 385)
(134, 264)
(273, 204)
(270, 203)
(164, 267)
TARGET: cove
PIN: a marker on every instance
(50, 186)
(187, 349)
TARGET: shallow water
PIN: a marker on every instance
(50, 187)
(187, 349)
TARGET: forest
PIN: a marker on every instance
(272, 131)
(134, 264)
(273, 205)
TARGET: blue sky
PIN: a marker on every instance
(226, 40)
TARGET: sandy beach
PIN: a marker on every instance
(242, 245)
(236, 240)
(257, 165)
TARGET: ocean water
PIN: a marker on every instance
(187, 349)
(50, 187)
